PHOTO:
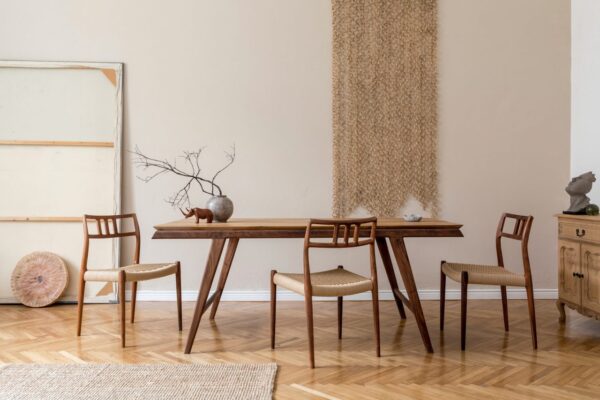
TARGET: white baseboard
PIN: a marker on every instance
(284, 295)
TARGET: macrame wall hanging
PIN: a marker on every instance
(384, 105)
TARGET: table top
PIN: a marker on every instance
(295, 227)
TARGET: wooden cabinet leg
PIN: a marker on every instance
(561, 309)
(212, 263)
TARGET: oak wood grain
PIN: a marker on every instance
(498, 365)
(294, 223)
(57, 143)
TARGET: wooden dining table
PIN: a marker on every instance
(391, 233)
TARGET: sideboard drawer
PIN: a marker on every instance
(576, 231)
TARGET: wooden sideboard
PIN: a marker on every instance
(579, 264)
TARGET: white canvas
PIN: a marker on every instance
(60, 156)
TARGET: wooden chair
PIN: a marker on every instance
(107, 227)
(493, 275)
(334, 282)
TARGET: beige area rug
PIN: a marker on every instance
(132, 382)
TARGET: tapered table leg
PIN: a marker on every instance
(212, 263)
(229, 254)
(389, 270)
(399, 249)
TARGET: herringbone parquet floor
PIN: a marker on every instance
(495, 366)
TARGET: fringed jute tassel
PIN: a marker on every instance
(384, 105)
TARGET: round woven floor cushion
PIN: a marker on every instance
(39, 279)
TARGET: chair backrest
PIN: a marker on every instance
(109, 227)
(344, 233)
(520, 231)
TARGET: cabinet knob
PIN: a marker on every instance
(580, 233)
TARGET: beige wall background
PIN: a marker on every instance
(585, 90)
(258, 74)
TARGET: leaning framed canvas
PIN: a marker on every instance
(60, 158)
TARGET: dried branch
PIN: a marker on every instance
(230, 157)
(191, 171)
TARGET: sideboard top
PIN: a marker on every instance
(588, 218)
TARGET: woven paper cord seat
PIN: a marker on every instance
(134, 273)
(483, 274)
(334, 282)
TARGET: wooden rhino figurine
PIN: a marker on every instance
(199, 213)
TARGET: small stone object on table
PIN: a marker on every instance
(412, 217)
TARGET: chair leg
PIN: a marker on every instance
(340, 311)
(309, 323)
(178, 290)
(80, 297)
(273, 308)
(463, 309)
(133, 299)
(561, 309)
(122, 305)
(531, 304)
(504, 307)
(375, 300)
(442, 296)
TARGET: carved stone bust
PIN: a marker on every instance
(577, 189)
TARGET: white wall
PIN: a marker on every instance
(585, 90)
(258, 73)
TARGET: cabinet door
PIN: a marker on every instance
(590, 268)
(569, 286)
